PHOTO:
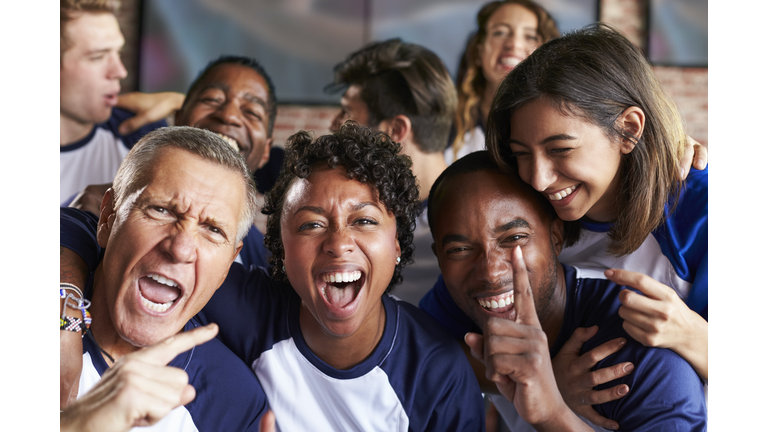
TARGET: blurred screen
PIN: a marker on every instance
(677, 32)
(299, 41)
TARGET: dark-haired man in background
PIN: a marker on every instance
(404, 90)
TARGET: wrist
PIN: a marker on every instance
(563, 420)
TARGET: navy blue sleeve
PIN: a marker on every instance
(683, 238)
(245, 308)
(229, 396)
(437, 302)
(665, 394)
(77, 231)
(120, 115)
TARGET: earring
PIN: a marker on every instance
(283, 268)
(398, 260)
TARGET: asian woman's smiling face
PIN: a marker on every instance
(570, 160)
(341, 248)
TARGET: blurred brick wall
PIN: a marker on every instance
(687, 86)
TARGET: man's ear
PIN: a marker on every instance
(556, 232)
(265, 154)
(106, 218)
(237, 250)
(177, 121)
(398, 128)
(632, 121)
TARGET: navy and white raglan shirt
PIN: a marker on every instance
(674, 254)
(228, 397)
(665, 393)
(416, 379)
(95, 158)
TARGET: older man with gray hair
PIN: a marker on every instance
(170, 228)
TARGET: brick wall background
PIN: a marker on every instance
(686, 86)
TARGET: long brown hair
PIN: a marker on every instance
(596, 73)
(470, 81)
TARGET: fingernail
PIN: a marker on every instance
(700, 162)
(623, 390)
(628, 368)
(608, 273)
(622, 342)
(518, 252)
(613, 426)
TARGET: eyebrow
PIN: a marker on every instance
(451, 238)
(517, 223)
(320, 211)
(458, 238)
(252, 98)
(559, 137)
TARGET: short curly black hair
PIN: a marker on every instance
(370, 158)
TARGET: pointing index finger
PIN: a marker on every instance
(164, 351)
(524, 305)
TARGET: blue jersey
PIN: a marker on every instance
(674, 254)
(416, 379)
(95, 158)
(665, 392)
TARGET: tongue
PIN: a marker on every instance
(157, 292)
(341, 296)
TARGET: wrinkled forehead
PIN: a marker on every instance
(233, 75)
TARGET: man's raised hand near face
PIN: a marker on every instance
(516, 356)
(140, 389)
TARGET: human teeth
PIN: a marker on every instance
(510, 61)
(163, 280)
(157, 307)
(496, 304)
(342, 277)
(230, 141)
(562, 194)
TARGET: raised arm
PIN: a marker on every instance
(516, 355)
(73, 269)
(149, 108)
(659, 318)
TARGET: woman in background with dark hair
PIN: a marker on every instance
(507, 32)
(585, 122)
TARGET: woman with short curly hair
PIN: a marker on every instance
(332, 349)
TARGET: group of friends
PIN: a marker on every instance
(535, 232)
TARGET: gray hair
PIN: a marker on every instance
(135, 170)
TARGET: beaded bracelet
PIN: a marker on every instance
(69, 323)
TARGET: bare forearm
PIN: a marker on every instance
(696, 350)
(72, 269)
